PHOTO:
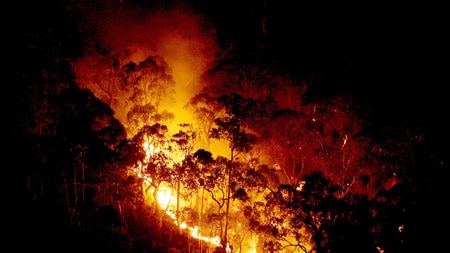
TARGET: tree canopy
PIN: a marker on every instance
(310, 167)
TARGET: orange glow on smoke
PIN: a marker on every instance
(177, 34)
(179, 37)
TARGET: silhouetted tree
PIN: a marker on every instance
(156, 166)
(146, 85)
(184, 177)
(232, 128)
(206, 109)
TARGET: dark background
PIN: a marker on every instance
(393, 58)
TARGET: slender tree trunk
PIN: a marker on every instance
(178, 206)
(83, 184)
(227, 210)
(75, 187)
(200, 218)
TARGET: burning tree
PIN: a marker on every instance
(232, 128)
(206, 109)
(185, 173)
(145, 86)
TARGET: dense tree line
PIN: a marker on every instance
(347, 181)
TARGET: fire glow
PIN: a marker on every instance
(188, 51)
(167, 201)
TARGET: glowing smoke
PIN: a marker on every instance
(183, 38)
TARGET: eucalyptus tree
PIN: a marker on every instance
(321, 135)
(233, 128)
(91, 133)
(185, 174)
(216, 183)
(98, 70)
(156, 166)
(206, 109)
(271, 218)
(206, 174)
(145, 86)
(285, 141)
(252, 183)
(334, 126)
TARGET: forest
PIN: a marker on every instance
(140, 126)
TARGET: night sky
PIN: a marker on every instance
(393, 58)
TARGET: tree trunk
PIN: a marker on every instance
(227, 210)
(177, 213)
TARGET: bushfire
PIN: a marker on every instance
(168, 202)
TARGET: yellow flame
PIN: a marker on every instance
(196, 234)
(149, 150)
(166, 199)
(252, 246)
(164, 196)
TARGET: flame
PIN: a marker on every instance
(252, 246)
(164, 196)
(167, 202)
(149, 150)
(196, 234)
(138, 170)
(166, 199)
(187, 43)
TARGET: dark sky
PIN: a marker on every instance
(394, 57)
(395, 54)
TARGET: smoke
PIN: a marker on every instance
(184, 38)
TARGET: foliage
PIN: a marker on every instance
(350, 185)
